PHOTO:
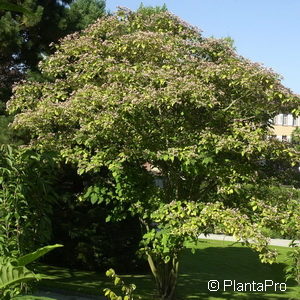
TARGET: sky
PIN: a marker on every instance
(265, 31)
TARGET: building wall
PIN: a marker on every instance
(284, 125)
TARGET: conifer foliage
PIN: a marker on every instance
(27, 28)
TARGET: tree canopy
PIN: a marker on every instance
(162, 91)
(143, 96)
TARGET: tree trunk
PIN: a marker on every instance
(165, 275)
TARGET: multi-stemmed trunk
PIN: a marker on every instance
(165, 274)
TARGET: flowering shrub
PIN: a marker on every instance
(144, 88)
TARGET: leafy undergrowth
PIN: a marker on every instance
(216, 260)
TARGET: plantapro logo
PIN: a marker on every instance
(233, 285)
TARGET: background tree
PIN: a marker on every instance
(6, 5)
(142, 98)
(83, 13)
(27, 28)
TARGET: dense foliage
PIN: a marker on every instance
(296, 138)
(26, 196)
(168, 126)
(89, 242)
(27, 28)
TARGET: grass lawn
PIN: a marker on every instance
(214, 260)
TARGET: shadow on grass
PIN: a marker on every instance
(214, 260)
(78, 281)
(92, 282)
(230, 263)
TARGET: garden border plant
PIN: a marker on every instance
(14, 272)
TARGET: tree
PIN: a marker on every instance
(83, 13)
(141, 98)
(29, 28)
(5, 5)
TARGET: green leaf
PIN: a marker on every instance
(94, 198)
(207, 160)
(28, 258)
(110, 273)
(117, 280)
(9, 162)
(11, 274)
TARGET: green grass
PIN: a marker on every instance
(230, 261)
(213, 260)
